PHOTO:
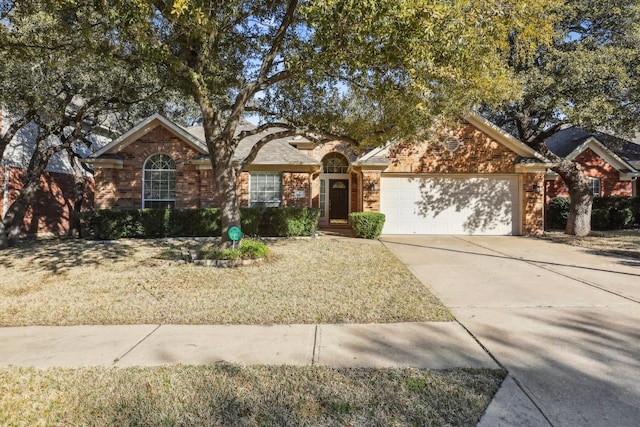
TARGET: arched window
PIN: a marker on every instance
(159, 186)
(335, 163)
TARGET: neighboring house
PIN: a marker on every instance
(49, 212)
(611, 163)
(475, 179)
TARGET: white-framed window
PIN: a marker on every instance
(596, 187)
(265, 189)
(335, 163)
(159, 182)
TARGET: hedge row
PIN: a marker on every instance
(155, 223)
(608, 213)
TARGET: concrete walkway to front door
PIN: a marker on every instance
(564, 322)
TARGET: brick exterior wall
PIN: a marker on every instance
(296, 182)
(533, 203)
(478, 154)
(594, 166)
(122, 188)
(49, 212)
(370, 195)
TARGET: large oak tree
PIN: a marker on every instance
(588, 76)
(62, 77)
(370, 70)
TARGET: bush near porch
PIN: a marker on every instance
(608, 213)
(112, 224)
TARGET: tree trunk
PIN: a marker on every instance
(74, 214)
(226, 185)
(13, 220)
(579, 221)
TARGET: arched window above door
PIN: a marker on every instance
(335, 163)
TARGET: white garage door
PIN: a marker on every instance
(446, 205)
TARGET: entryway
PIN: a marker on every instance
(338, 201)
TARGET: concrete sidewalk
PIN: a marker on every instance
(434, 345)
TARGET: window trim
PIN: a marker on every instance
(341, 168)
(592, 183)
(169, 201)
(273, 202)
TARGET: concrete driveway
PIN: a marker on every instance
(564, 322)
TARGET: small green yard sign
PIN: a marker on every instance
(234, 233)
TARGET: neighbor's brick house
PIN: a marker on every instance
(611, 163)
(50, 209)
(475, 179)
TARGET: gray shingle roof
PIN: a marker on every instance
(566, 141)
(276, 152)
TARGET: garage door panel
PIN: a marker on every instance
(445, 205)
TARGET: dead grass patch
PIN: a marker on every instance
(618, 242)
(235, 395)
(325, 280)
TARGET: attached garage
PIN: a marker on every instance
(451, 204)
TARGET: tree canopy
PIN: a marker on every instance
(586, 76)
(369, 70)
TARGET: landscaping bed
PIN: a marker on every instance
(304, 280)
(234, 395)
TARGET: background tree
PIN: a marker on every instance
(62, 79)
(369, 69)
(588, 76)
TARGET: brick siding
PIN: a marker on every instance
(594, 166)
(49, 212)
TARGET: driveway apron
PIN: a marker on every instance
(564, 322)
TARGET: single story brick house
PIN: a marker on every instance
(474, 179)
(612, 163)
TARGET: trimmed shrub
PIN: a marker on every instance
(250, 219)
(607, 213)
(155, 223)
(367, 224)
(600, 219)
(111, 224)
(194, 223)
(289, 221)
(558, 213)
(634, 205)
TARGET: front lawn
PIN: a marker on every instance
(617, 242)
(233, 395)
(322, 280)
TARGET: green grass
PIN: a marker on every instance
(232, 395)
(324, 280)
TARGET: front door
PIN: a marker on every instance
(338, 201)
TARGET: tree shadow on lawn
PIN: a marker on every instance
(58, 255)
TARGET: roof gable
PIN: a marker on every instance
(503, 137)
(146, 126)
(619, 153)
(597, 147)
